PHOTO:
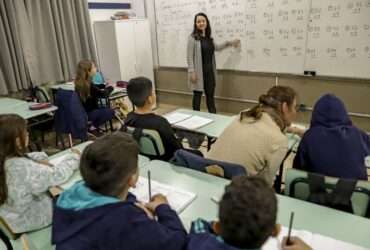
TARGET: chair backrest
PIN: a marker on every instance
(7, 231)
(296, 185)
(71, 117)
(41, 94)
(187, 159)
(149, 141)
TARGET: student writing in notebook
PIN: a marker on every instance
(100, 212)
(256, 138)
(26, 177)
(333, 146)
(141, 93)
(247, 218)
(90, 93)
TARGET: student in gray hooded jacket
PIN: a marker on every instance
(201, 61)
(25, 178)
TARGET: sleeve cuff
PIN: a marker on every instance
(163, 208)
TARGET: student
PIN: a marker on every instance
(256, 139)
(332, 146)
(90, 93)
(140, 92)
(100, 212)
(25, 178)
(247, 214)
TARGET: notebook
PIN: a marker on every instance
(194, 122)
(176, 117)
(177, 198)
(316, 241)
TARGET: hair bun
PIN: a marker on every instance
(268, 100)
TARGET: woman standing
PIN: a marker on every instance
(201, 61)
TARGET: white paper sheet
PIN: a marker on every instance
(176, 117)
(315, 241)
(194, 122)
(177, 198)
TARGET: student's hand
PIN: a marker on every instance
(297, 131)
(235, 43)
(147, 211)
(156, 201)
(295, 244)
(194, 78)
(76, 151)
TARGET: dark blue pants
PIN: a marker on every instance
(100, 116)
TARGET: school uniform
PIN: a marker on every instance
(332, 146)
(96, 114)
(28, 206)
(161, 125)
(202, 237)
(84, 219)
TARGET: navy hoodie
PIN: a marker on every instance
(333, 146)
(202, 237)
(85, 220)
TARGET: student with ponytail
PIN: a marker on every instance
(26, 178)
(90, 93)
(256, 139)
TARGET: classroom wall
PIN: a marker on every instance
(239, 90)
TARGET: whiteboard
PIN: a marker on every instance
(339, 38)
(270, 40)
(331, 37)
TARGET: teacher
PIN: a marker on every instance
(202, 63)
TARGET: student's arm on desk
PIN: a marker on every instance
(45, 177)
(168, 231)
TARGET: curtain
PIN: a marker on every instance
(14, 74)
(53, 36)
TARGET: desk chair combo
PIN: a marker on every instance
(332, 192)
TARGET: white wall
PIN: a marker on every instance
(142, 9)
(150, 11)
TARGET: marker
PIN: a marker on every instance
(149, 186)
(288, 242)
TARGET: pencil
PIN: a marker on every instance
(70, 140)
(288, 242)
(149, 186)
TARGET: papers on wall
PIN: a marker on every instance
(187, 121)
(177, 198)
(315, 241)
(176, 117)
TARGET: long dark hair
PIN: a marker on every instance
(11, 127)
(82, 81)
(196, 33)
(271, 103)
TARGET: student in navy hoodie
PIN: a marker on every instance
(247, 214)
(332, 146)
(100, 212)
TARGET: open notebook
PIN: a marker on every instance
(177, 198)
(187, 121)
(316, 241)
